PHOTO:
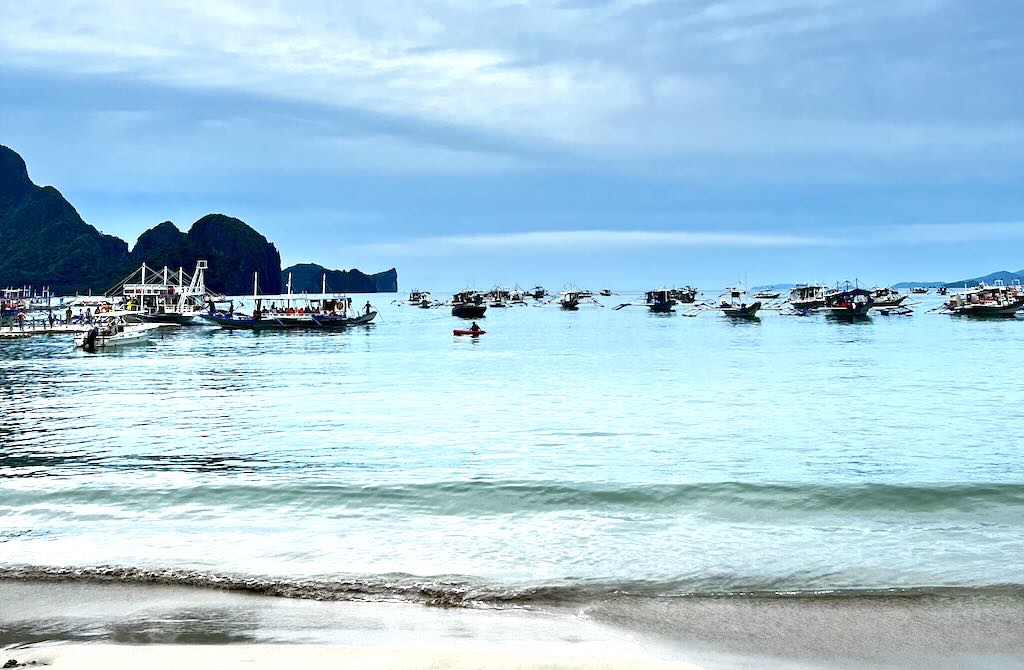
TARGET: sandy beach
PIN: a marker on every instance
(258, 657)
(114, 626)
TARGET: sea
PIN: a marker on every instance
(562, 457)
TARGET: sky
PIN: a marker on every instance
(623, 143)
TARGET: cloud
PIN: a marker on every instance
(560, 241)
(610, 82)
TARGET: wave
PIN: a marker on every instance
(477, 497)
(450, 591)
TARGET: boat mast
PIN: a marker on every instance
(255, 284)
(323, 284)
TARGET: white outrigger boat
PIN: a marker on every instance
(115, 332)
(168, 296)
(885, 297)
(982, 301)
(804, 297)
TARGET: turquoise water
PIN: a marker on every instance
(562, 453)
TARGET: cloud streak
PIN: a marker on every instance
(561, 241)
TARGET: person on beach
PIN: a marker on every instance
(21, 320)
(51, 319)
(88, 315)
(67, 317)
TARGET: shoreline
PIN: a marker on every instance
(113, 626)
(260, 657)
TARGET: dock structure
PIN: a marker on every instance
(41, 328)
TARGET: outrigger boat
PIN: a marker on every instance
(807, 297)
(847, 303)
(419, 297)
(685, 296)
(538, 293)
(995, 301)
(468, 305)
(887, 297)
(171, 297)
(115, 332)
(290, 312)
(734, 303)
(323, 313)
(659, 301)
(919, 290)
(767, 294)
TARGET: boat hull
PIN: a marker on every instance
(744, 312)
(170, 318)
(890, 302)
(469, 311)
(305, 322)
(989, 311)
(859, 312)
(119, 340)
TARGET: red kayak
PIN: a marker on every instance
(472, 333)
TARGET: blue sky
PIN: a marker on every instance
(627, 143)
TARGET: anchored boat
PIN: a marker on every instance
(734, 303)
(887, 297)
(291, 312)
(171, 297)
(684, 296)
(847, 303)
(468, 305)
(998, 301)
(807, 296)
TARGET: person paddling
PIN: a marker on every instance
(475, 327)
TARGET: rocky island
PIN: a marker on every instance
(45, 242)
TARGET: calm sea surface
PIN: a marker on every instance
(591, 452)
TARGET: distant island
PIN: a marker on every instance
(1004, 276)
(45, 242)
(310, 278)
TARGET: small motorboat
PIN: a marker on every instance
(114, 333)
(471, 333)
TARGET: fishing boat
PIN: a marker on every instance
(767, 294)
(919, 290)
(468, 305)
(982, 301)
(115, 332)
(734, 303)
(685, 296)
(887, 297)
(847, 303)
(807, 296)
(570, 300)
(660, 301)
(419, 297)
(167, 296)
(606, 292)
(538, 293)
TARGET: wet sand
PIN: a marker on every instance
(887, 631)
(113, 626)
